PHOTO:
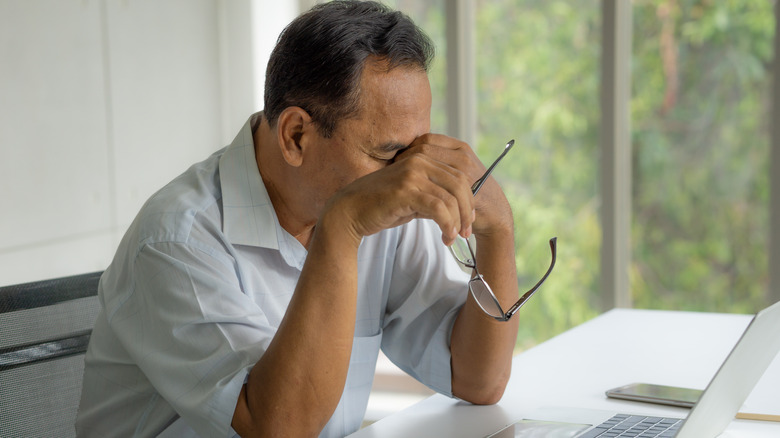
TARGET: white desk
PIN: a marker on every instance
(575, 368)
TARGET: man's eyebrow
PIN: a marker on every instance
(392, 147)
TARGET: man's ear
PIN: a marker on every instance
(292, 125)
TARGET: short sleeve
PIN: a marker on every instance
(190, 328)
(427, 291)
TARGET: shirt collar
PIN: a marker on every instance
(248, 215)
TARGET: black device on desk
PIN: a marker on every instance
(658, 394)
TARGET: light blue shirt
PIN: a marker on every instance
(200, 283)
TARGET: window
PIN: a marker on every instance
(700, 140)
(537, 82)
(700, 134)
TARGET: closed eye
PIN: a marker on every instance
(388, 151)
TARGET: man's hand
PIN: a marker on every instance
(490, 207)
(431, 179)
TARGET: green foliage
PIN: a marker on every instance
(700, 177)
(699, 121)
(537, 75)
(700, 143)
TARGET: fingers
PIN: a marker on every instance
(459, 161)
(457, 197)
(416, 187)
(450, 151)
(491, 209)
(441, 193)
(431, 180)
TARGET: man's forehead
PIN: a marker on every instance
(394, 106)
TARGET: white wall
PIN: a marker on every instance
(103, 102)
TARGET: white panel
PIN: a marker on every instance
(269, 18)
(77, 255)
(164, 68)
(53, 169)
(238, 77)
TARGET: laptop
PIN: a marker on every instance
(713, 412)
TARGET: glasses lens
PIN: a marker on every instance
(460, 250)
(485, 298)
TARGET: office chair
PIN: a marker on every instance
(44, 331)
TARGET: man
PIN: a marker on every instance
(251, 295)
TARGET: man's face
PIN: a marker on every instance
(395, 109)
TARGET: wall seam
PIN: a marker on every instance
(109, 115)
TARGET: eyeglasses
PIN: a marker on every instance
(463, 252)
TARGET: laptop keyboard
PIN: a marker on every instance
(635, 426)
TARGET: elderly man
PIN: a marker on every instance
(252, 294)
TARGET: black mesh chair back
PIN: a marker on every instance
(44, 331)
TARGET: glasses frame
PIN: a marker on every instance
(472, 262)
(478, 183)
(477, 277)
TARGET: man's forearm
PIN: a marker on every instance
(295, 387)
(481, 346)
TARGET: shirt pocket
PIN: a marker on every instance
(360, 377)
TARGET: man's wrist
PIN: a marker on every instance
(496, 225)
(335, 227)
(494, 214)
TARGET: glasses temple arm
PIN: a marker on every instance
(478, 184)
(529, 294)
